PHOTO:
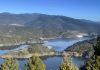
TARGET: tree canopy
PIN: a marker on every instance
(10, 64)
(34, 63)
(67, 64)
(94, 62)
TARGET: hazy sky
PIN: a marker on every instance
(83, 9)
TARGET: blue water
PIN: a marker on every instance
(20, 47)
(78, 61)
(53, 63)
(21, 62)
(61, 44)
(3, 51)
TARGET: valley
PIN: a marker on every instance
(48, 36)
(25, 51)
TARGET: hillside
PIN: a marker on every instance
(16, 28)
(84, 48)
(35, 49)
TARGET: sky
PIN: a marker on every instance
(79, 9)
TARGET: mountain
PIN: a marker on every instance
(23, 27)
(89, 21)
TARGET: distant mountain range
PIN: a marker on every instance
(23, 27)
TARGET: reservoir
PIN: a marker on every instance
(52, 63)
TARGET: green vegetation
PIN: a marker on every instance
(94, 62)
(67, 64)
(10, 64)
(84, 48)
(80, 47)
(39, 48)
(34, 63)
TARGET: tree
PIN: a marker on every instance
(67, 64)
(25, 67)
(10, 64)
(34, 63)
(94, 62)
(97, 47)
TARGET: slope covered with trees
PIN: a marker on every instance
(84, 48)
(94, 62)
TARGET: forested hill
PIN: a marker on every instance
(85, 48)
(23, 27)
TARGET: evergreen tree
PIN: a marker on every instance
(25, 67)
(94, 62)
(67, 64)
(10, 64)
(35, 63)
(97, 47)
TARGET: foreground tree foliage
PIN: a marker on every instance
(34, 63)
(67, 64)
(10, 64)
(94, 62)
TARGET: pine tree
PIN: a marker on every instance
(67, 64)
(10, 64)
(35, 63)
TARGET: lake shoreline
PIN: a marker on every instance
(48, 59)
